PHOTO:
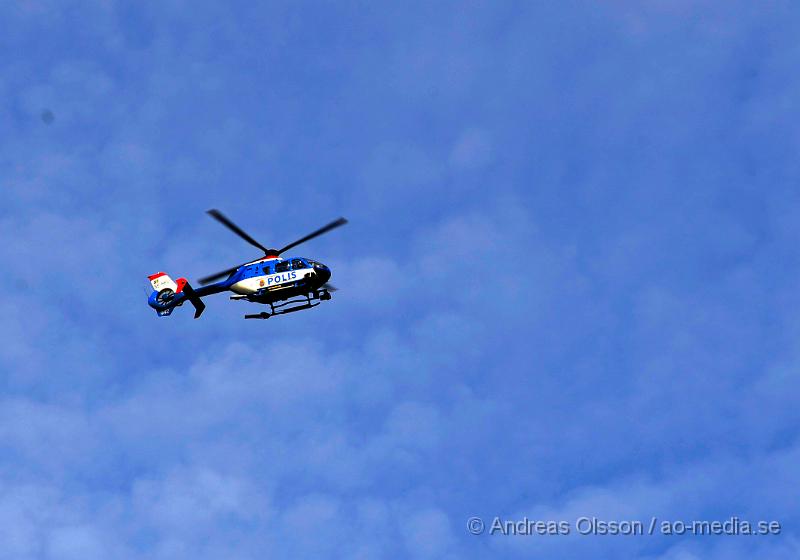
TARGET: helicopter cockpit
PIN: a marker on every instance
(296, 263)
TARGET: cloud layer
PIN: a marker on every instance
(568, 287)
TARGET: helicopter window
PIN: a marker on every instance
(266, 269)
(282, 266)
(297, 264)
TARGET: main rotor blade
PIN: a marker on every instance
(320, 231)
(218, 275)
(221, 218)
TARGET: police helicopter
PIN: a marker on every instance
(286, 284)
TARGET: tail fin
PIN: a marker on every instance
(168, 294)
(195, 300)
(161, 280)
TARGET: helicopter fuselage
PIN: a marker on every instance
(276, 275)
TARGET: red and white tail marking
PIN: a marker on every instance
(161, 280)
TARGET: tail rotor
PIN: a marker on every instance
(168, 294)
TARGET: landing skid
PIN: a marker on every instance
(277, 308)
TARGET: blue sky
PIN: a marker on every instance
(568, 288)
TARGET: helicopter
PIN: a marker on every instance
(286, 284)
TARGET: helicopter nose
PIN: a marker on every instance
(324, 274)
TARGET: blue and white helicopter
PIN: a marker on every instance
(270, 280)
